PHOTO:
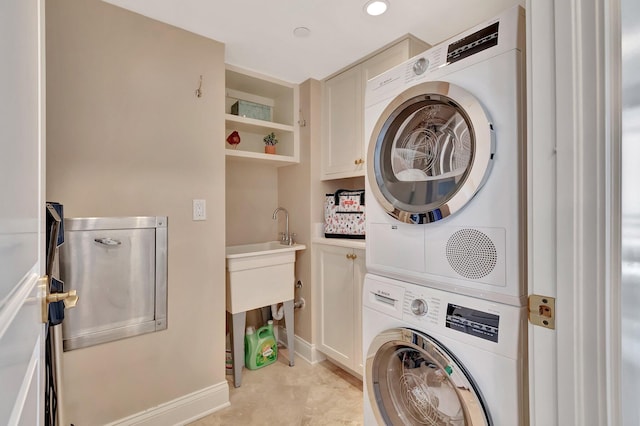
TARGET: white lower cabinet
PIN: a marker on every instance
(338, 278)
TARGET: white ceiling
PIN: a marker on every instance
(258, 34)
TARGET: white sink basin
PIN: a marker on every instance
(260, 249)
(260, 275)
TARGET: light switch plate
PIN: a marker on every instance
(199, 210)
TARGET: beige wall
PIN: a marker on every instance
(127, 136)
(255, 190)
(295, 196)
(301, 191)
(251, 198)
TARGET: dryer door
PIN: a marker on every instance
(430, 152)
(412, 379)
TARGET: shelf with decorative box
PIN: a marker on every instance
(255, 106)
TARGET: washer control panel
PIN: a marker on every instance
(419, 306)
(470, 321)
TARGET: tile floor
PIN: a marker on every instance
(309, 395)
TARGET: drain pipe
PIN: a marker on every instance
(298, 303)
(277, 314)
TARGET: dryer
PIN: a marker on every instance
(439, 358)
(446, 165)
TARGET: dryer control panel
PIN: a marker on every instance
(473, 43)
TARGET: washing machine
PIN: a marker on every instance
(439, 358)
(446, 165)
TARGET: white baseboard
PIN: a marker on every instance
(182, 410)
(303, 349)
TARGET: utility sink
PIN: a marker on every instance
(260, 249)
(260, 274)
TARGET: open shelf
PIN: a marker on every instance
(281, 97)
(253, 125)
(259, 157)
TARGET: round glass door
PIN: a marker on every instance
(429, 155)
(413, 380)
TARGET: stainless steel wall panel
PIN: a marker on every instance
(119, 268)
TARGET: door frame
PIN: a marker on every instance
(574, 216)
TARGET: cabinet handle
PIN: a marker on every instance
(358, 161)
(349, 256)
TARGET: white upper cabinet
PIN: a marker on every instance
(342, 99)
(264, 105)
(343, 153)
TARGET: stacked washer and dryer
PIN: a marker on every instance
(444, 302)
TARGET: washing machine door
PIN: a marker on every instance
(413, 380)
(430, 152)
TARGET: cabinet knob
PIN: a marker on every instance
(352, 256)
(358, 161)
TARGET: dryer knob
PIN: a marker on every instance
(419, 307)
(420, 66)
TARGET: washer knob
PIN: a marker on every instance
(419, 307)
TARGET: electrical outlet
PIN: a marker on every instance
(199, 210)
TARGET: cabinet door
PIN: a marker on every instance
(336, 293)
(385, 60)
(359, 270)
(343, 122)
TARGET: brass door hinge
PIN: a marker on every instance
(542, 311)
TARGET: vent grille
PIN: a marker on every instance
(471, 253)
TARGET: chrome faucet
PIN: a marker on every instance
(286, 237)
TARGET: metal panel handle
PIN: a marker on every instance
(108, 241)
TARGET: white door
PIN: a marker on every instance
(430, 151)
(574, 188)
(342, 146)
(336, 299)
(21, 212)
(413, 379)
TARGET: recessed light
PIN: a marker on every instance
(376, 7)
(301, 32)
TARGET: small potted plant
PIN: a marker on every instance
(270, 142)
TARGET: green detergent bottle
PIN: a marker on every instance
(260, 347)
